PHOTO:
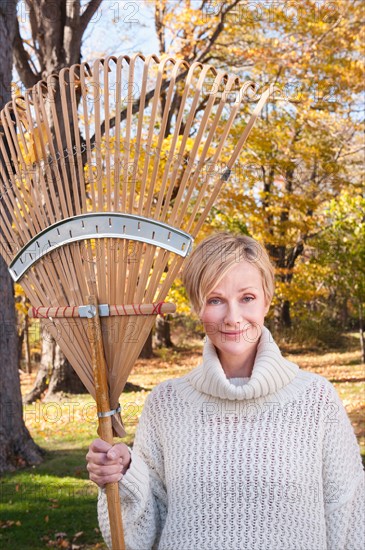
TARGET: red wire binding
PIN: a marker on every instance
(36, 312)
(157, 308)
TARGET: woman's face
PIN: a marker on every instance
(234, 312)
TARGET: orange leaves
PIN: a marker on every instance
(187, 30)
(62, 540)
(9, 523)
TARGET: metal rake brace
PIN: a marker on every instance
(99, 225)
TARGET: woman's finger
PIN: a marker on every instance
(100, 446)
(101, 481)
(101, 458)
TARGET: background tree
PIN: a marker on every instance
(341, 255)
(302, 152)
(305, 150)
(54, 42)
(16, 446)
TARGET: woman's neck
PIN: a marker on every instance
(238, 367)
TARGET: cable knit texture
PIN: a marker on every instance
(265, 463)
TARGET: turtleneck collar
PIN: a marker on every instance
(271, 372)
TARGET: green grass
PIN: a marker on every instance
(53, 505)
(40, 509)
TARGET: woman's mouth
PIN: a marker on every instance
(233, 334)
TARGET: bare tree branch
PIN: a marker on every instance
(160, 10)
(72, 34)
(22, 60)
(351, 152)
(218, 30)
(86, 17)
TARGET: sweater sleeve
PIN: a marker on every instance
(142, 489)
(343, 480)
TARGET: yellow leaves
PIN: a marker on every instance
(22, 308)
(177, 295)
(22, 304)
(36, 141)
(185, 27)
(19, 292)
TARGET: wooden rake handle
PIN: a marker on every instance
(105, 423)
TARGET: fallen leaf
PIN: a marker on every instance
(60, 535)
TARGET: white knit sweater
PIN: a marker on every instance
(265, 463)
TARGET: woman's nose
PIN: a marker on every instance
(233, 314)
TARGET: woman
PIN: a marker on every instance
(246, 451)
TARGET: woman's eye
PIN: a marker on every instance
(248, 298)
(213, 301)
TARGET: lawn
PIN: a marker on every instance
(54, 505)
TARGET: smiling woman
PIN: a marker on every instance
(247, 451)
(236, 302)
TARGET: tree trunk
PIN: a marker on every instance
(55, 374)
(344, 313)
(285, 314)
(163, 333)
(44, 372)
(147, 352)
(63, 378)
(362, 335)
(17, 448)
(28, 359)
(20, 346)
(277, 318)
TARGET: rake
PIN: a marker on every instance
(108, 173)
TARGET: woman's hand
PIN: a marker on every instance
(107, 463)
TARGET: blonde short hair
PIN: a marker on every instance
(213, 258)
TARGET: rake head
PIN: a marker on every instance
(108, 173)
